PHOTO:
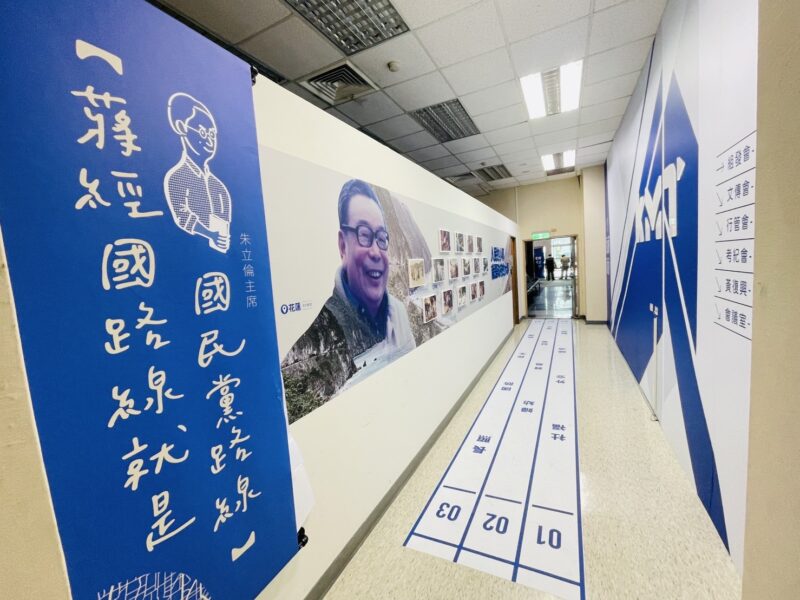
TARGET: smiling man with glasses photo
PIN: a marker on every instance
(361, 325)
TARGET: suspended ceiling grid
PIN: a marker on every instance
(471, 50)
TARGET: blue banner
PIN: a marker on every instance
(134, 229)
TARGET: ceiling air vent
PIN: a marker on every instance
(446, 121)
(352, 25)
(493, 173)
(339, 84)
(463, 179)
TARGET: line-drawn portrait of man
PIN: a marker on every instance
(361, 324)
(199, 202)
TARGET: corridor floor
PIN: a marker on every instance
(553, 300)
(645, 532)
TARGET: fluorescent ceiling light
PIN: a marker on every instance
(554, 91)
(560, 162)
(534, 95)
(571, 85)
(352, 25)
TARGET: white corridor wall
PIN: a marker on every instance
(356, 446)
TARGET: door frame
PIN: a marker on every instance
(514, 284)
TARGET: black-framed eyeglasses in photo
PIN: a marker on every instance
(365, 236)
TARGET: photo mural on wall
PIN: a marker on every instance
(394, 286)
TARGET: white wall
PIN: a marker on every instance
(354, 447)
(594, 243)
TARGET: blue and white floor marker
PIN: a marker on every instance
(509, 502)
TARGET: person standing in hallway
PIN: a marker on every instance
(564, 266)
(550, 265)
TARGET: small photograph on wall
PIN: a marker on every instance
(466, 267)
(447, 302)
(416, 272)
(444, 241)
(481, 289)
(454, 268)
(438, 270)
(498, 254)
(459, 242)
(462, 296)
(476, 266)
(470, 243)
(473, 292)
(479, 244)
(485, 265)
(429, 308)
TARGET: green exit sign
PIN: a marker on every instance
(543, 235)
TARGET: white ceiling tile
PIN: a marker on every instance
(592, 150)
(395, 127)
(458, 169)
(596, 140)
(601, 4)
(476, 155)
(493, 98)
(414, 141)
(277, 47)
(441, 163)
(528, 156)
(511, 115)
(409, 54)
(556, 137)
(599, 126)
(604, 110)
(483, 162)
(508, 134)
(612, 63)
(528, 169)
(422, 91)
(624, 23)
(550, 49)
(480, 72)
(610, 89)
(557, 147)
(555, 122)
(370, 108)
(342, 118)
(525, 18)
(233, 20)
(500, 184)
(593, 161)
(462, 35)
(416, 13)
(515, 146)
(299, 90)
(532, 179)
(472, 142)
(428, 153)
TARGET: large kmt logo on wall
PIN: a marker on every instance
(661, 279)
